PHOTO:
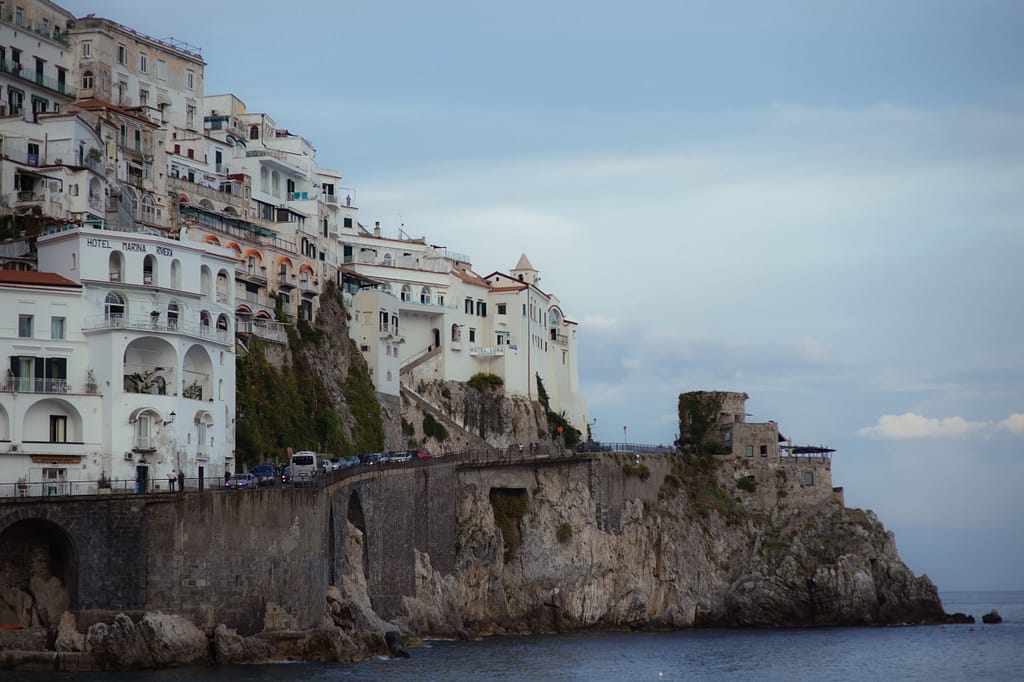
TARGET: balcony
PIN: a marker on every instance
(33, 385)
(252, 274)
(21, 72)
(264, 329)
(285, 281)
(149, 324)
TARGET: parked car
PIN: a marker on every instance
(372, 458)
(264, 474)
(397, 456)
(350, 461)
(286, 474)
(246, 480)
(418, 454)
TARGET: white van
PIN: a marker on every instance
(305, 466)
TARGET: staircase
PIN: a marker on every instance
(476, 442)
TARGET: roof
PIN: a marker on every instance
(469, 277)
(95, 103)
(48, 279)
(524, 264)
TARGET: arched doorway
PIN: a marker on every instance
(38, 570)
(357, 519)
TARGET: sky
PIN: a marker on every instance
(816, 202)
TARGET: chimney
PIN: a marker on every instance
(376, 228)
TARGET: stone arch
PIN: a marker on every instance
(38, 560)
(150, 362)
(176, 274)
(116, 266)
(149, 270)
(357, 518)
(5, 424)
(205, 280)
(198, 371)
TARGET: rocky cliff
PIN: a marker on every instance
(536, 561)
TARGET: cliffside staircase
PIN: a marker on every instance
(405, 371)
(475, 441)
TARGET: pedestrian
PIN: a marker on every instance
(170, 480)
(181, 481)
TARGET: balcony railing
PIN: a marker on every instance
(148, 323)
(20, 71)
(264, 329)
(33, 385)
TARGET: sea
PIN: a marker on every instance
(927, 653)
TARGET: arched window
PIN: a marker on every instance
(387, 259)
(425, 295)
(254, 132)
(144, 431)
(114, 309)
(116, 266)
(172, 316)
(406, 292)
(456, 332)
(148, 209)
(222, 323)
(205, 280)
(222, 287)
(149, 270)
(175, 274)
(88, 80)
(204, 323)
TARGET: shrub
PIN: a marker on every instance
(564, 533)
(434, 429)
(485, 381)
(747, 483)
(673, 480)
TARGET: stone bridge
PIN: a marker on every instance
(252, 559)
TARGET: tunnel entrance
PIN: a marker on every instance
(38, 566)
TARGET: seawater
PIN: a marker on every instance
(951, 652)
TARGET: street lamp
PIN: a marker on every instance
(624, 439)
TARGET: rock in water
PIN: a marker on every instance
(992, 617)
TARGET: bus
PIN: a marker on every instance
(304, 467)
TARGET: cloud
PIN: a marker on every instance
(1014, 423)
(910, 425)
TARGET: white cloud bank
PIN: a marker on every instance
(910, 425)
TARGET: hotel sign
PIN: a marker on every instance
(128, 245)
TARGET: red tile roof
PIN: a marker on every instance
(49, 279)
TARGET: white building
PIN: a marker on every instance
(36, 60)
(50, 436)
(157, 319)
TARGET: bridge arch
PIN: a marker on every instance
(357, 518)
(38, 570)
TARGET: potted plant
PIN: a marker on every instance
(90, 381)
(103, 485)
(193, 391)
(22, 486)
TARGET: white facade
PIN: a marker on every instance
(158, 324)
(36, 60)
(50, 436)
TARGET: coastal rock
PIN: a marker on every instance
(68, 636)
(992, 617)
(157, 640)
(231, 647)
(678, 561)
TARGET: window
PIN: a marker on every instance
(58, 428)
(124, 135)
(254, 134)
(190, 116)
(161, 69)
(190, 79)
(808, 478)
(456, 332)
(143, 97)
(86, 48)
(25, 326)
(87, 80)
(56, 327)
(19, 16)
(750, 451)
(122, 54)
(727, 436)
(481, 308)
(472, 335)
(347, 222)
(113, 308)
(138, 140)
(144, 439)
(143, 62)
(468, 308)
(425, 295)
(501, 308)
(764, 450)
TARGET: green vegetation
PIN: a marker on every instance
(673, 480)
(509, 506)
(557, 423)
(640, 471)
(433, 428)
(292, 406)
(698, 414)
(564, 533)
(747, 483)
(485, 381)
